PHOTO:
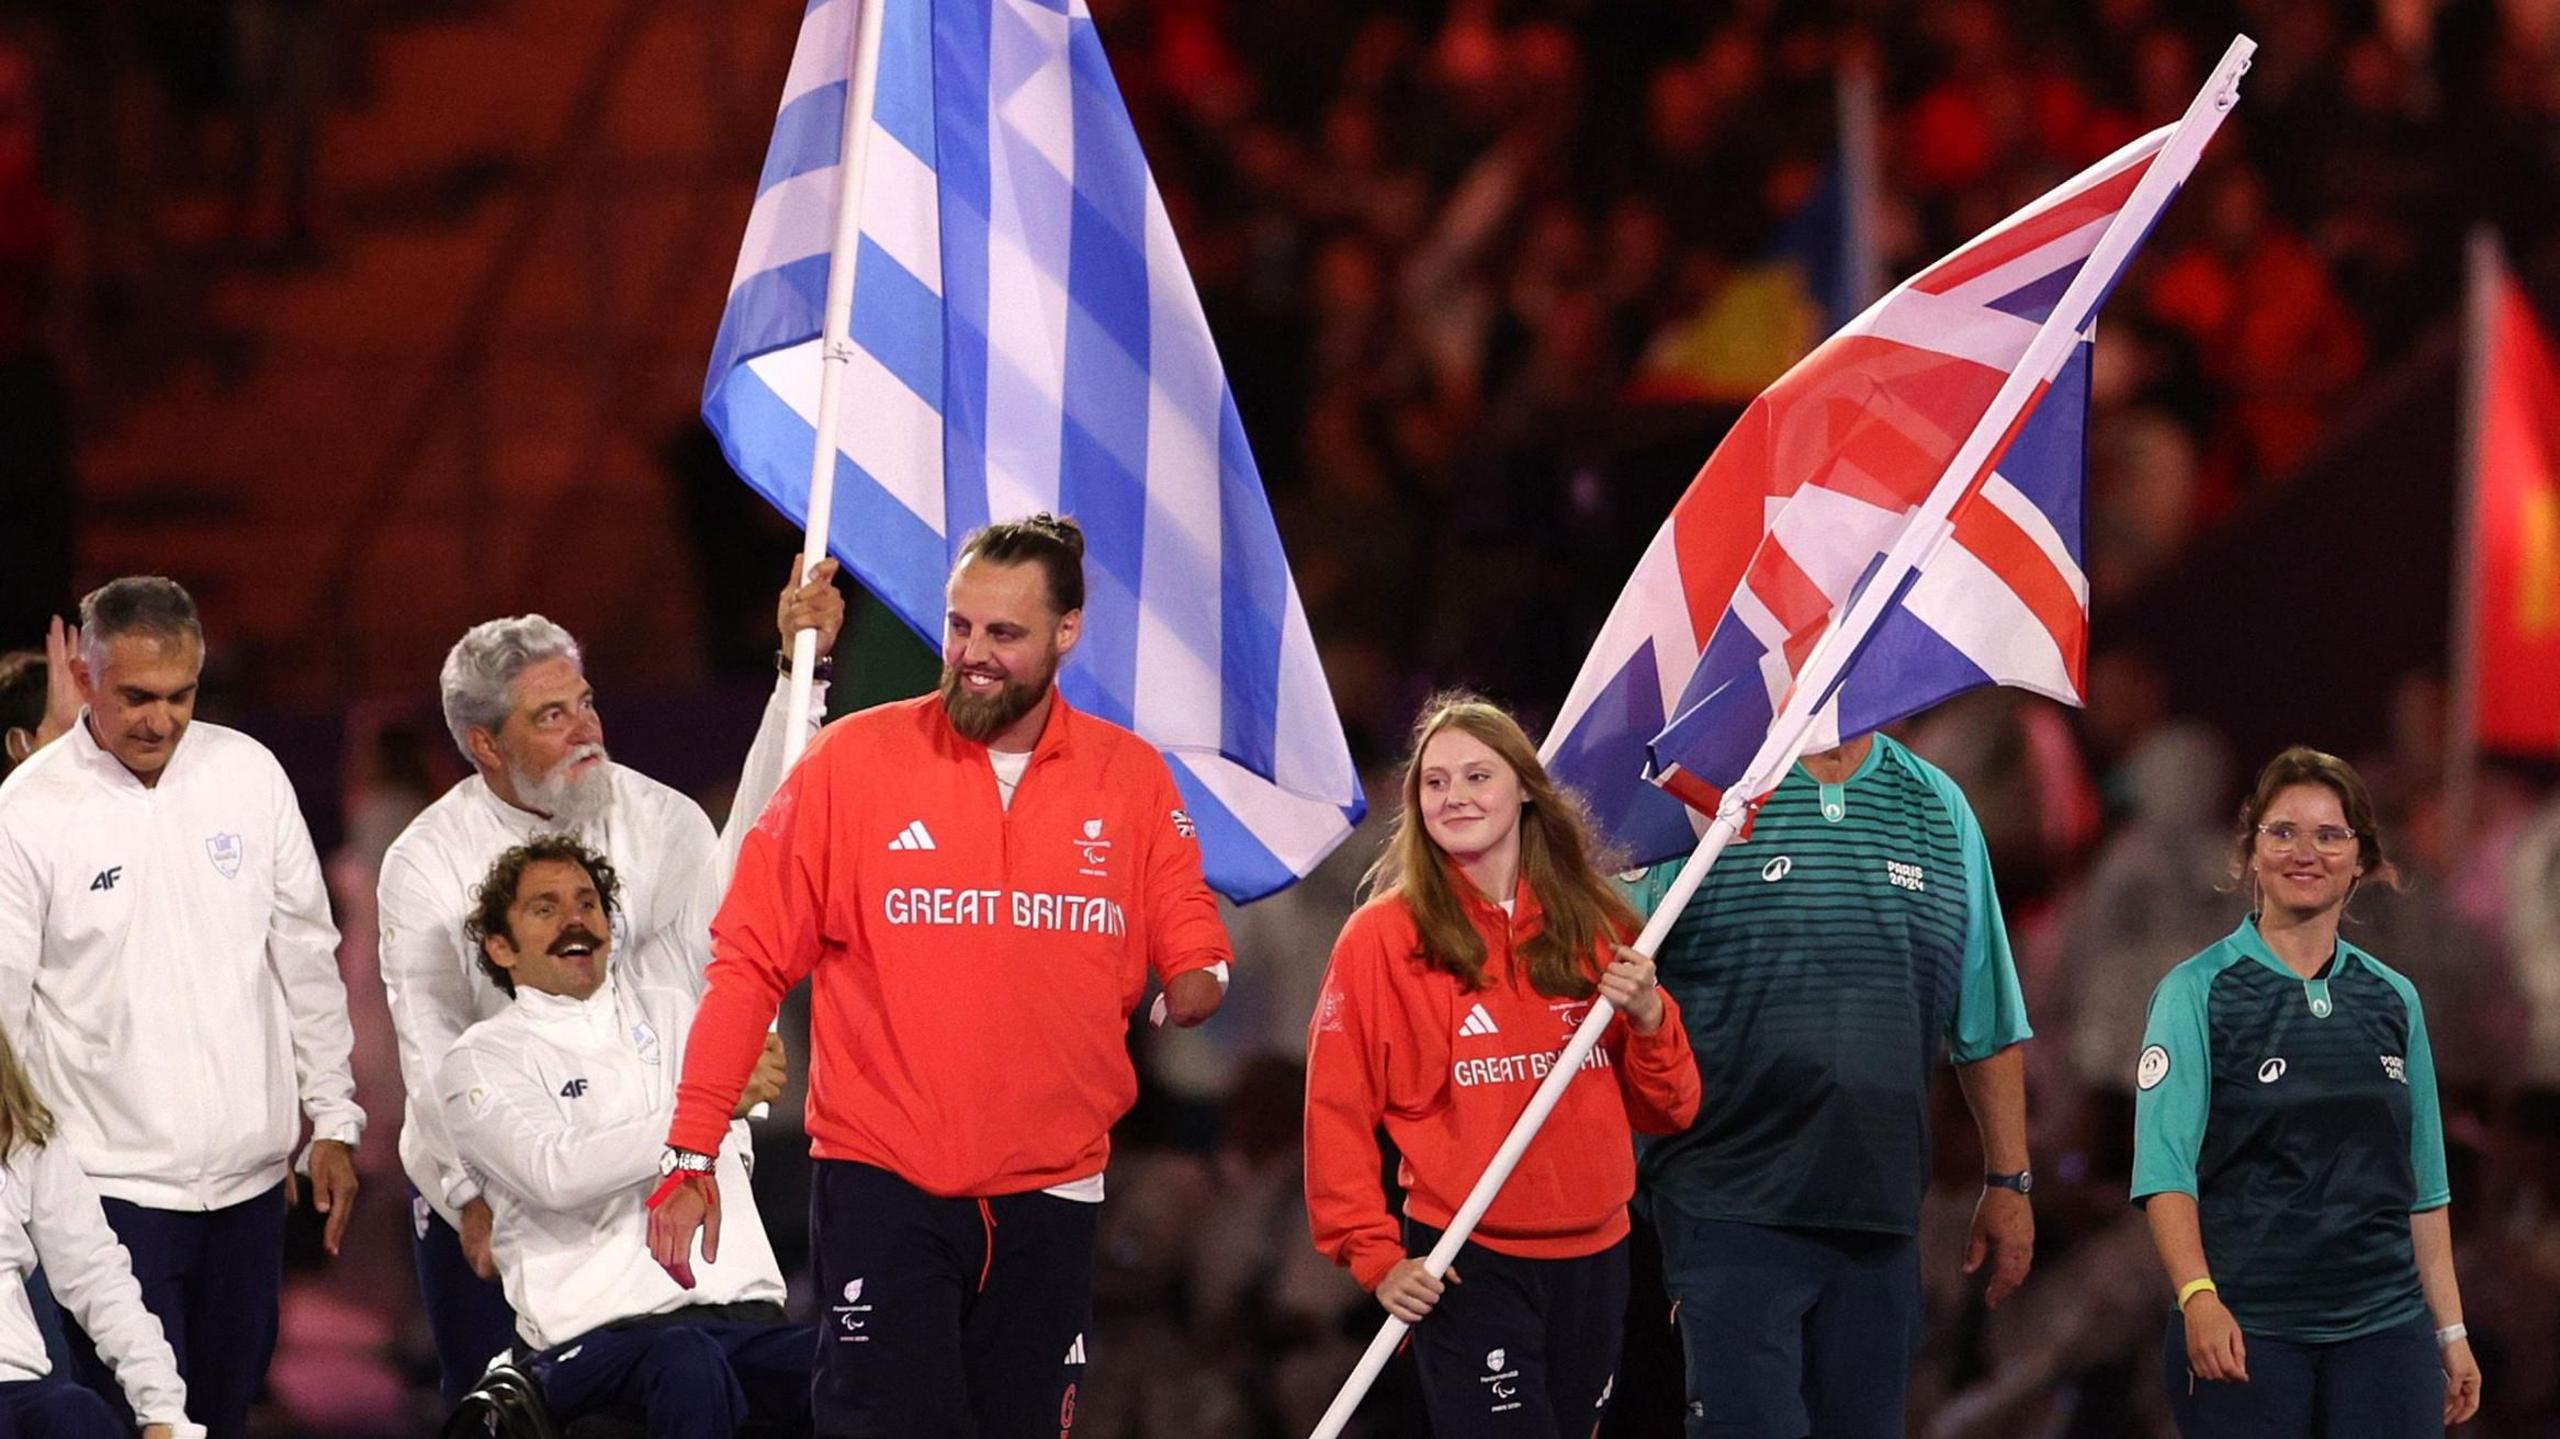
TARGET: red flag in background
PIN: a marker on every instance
(2515, 520)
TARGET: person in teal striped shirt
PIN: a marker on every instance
(2288, 1152)
(1825, 967)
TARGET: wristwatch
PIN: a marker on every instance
(682, 1169)
(824, 670)
(2021, 1181)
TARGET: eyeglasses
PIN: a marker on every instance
(2327, 839)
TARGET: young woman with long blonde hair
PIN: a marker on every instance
(1489, 931)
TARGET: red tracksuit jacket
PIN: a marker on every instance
(1447, 1071)
(976, 965)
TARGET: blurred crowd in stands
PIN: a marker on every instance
(146, 146)
(1490, 279)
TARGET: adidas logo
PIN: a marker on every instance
(1075, 1352)
(912, 837)
(1478, 1022)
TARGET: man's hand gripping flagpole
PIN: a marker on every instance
(684, 1203)
(837, 356)
(837, 353)
(1837, 650)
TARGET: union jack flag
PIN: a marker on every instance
(1818, 479)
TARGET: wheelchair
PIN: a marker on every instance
(507, 1404)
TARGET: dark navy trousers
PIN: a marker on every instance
(49, 1321)
(947, 1318)
(56, 1407)
(468, 1315)
(1520, 1348)
(2388, 1385)
(703, 1380)
(1792, 1332)
(213, 1279)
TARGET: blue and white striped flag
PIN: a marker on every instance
(1025, 337)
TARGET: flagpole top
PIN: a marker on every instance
(2235, 63)
(2229, 94)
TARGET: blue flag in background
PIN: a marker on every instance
(1025, 336)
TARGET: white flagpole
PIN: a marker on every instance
(836, 349)
(1920, 540)
(1373, 1360)
(2462, 720)
(836, 352)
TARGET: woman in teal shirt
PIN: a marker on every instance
(2289, 1154)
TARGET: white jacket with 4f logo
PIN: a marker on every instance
(168, 969)
(660, 845)
(659, 842)
(559, 1108)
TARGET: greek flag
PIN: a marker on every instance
(1024, 337)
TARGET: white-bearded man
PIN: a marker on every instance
(517, 701)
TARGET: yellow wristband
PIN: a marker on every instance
(2194, 1287)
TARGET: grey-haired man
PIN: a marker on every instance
(519, 706)
(169, 970)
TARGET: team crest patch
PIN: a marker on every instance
(1501, 1384)
(1329, 1012)
(1094, 850)
(852, 1315)
(645, 1039)
(2153, 1068)
(226, 851)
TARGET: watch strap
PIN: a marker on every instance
(823, 671)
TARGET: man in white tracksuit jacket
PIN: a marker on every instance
(558, 1106)
(519, 706)
(169, 972)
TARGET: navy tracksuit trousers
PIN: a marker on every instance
(213, 1279)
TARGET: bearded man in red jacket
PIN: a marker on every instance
(981, 881)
